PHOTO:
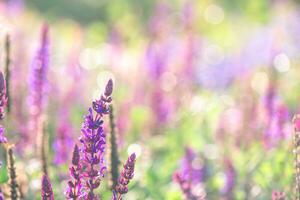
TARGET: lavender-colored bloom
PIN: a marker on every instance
(47, 193)
(3, 102)
(74, 190)
(3, 98)
(125, 176)
(38, 81)
(93, 141)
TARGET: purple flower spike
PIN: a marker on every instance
(125, 176)
(3, 103)
(3, 98)
(38, 74)
(102, 106)
(93, 141)
(38, 82)
(74, 190)
(108, 88)
(47, 193)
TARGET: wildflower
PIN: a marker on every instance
(47, 193)
(125, 177)
(12, 175)
(74, 190)
(93, 142)
(3, 98)
(7, 71)
(3, 102)
(38, 82)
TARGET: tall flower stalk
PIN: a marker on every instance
(125, 177)
(38, 83)
(47, 192)
(296, 122)
(12, 175)
(7, 71)
(3, 103)
(74, 190)
(112, 150)
(93, 143)
(43, 144)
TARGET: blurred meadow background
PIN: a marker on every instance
(204, 93)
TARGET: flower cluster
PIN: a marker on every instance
(13, 184)
(125, 177)
(38, 80)
(3, 97)
(74, 190)
(3, 102)
(47, 193)
(93, 143)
